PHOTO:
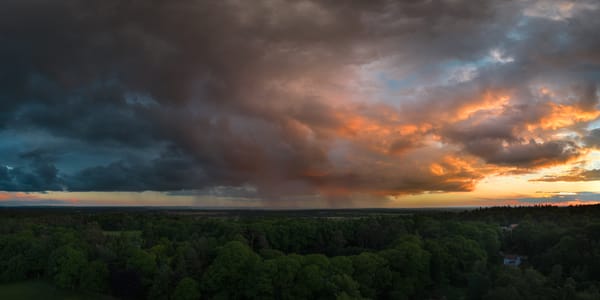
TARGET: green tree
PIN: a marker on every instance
(372, 273)
(345, 287)
(286, 271)
(65, 266)
(161, 285)
(94, 277)
(229, 276)
(503, 293)
(15, 269)
(186, 289)
(144, 263)
(409, 263)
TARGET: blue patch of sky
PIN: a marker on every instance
(517, 33)
(588, 71)
(455, 64)
(563, 38)
(414, 79)
(594, 125)
(393, 84)
(398, 89)
(594, 161)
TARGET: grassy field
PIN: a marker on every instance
(42, 290)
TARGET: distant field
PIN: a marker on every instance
(35, 290)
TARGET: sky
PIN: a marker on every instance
(299, 104)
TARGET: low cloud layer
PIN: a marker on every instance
(294, 98)
(561, 198)
(576, 174)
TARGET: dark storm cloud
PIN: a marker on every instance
(170, 171)
(39, 174)
(190, 95)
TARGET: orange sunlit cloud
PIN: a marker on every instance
(564, 116)
(491, 103)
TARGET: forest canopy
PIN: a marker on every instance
(351, 254)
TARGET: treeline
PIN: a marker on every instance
(430, 255)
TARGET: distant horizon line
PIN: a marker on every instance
(228, 208)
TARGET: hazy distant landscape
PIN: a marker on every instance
(143, 253)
